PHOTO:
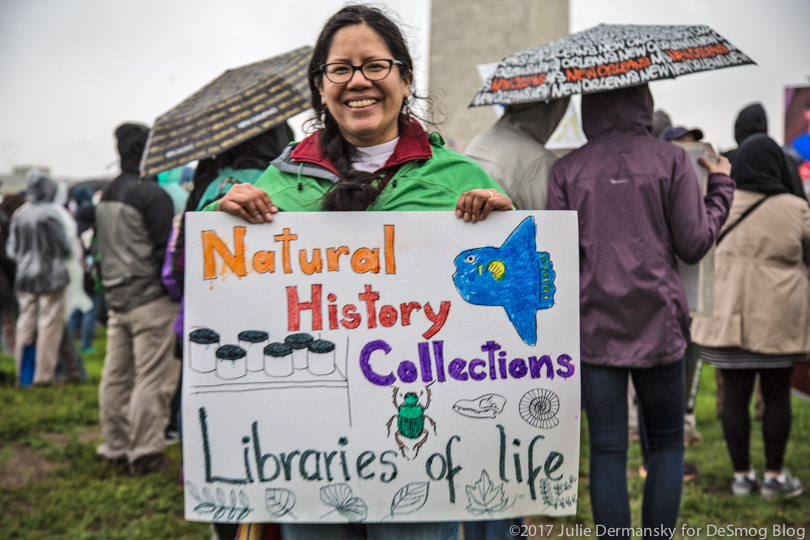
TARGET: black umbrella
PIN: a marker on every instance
(606, 57)
(236, 106)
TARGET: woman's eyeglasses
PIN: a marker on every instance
(373, 70)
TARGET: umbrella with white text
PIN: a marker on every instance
(236, 106)
(606, 57)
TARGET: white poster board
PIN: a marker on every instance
(698, 278)
(369, 366)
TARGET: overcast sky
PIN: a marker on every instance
(74, 69)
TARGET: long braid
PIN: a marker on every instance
(355, 191)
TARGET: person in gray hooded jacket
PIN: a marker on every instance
(40, 246)
(513, 151)
(133, 221)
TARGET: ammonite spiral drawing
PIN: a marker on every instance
(539, 407)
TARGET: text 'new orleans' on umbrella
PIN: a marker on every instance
(234, 107)
(606, 57)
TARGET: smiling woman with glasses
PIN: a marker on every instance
(368, 153)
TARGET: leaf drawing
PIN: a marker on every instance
(218, 506)
(193, 491)
(552, 495)
(279, 502)
(410, 498)
(485, 498)
(355, 510)
(336, 494)
(341, 499)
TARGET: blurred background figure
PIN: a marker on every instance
(761, 322)
(753, 120)
(8, 298)
(133, 222)
(661, 121)
(39, 244)
(750, 120)
(243, 163)
(172, 183)
(680, 134)
(81, 321)
(513, 151)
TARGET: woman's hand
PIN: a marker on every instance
(723, 166)
(248, 202)
(476, 204)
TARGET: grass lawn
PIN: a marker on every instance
(53, 486)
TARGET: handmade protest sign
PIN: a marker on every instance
(371, 366)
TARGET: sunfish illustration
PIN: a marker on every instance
(515, 276)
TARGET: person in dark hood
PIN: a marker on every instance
(639, 207)
(753, 120)
(513, 151)
(750, 120)
(40, 246)
(85, 212)
(761, 308)
(133, 221)
(253, 154)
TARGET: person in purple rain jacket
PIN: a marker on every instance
(640, 205)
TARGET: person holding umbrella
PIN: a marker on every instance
(369, 153)
(639, 206)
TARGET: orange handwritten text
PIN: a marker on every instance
(694, 53)
(362, 260)
(517, 83)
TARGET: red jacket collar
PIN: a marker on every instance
(413, 144)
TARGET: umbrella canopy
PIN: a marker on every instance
(606, 57)
(236, 106)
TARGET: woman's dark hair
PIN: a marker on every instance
(355, 190)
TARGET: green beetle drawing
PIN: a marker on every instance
(411, 432)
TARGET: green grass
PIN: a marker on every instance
(49, 436)
(69, 494)
(707, 502)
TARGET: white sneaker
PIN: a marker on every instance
(784, 484)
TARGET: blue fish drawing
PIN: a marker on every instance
(515, 276)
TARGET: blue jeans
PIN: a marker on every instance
(87, 321)
(661, 395)
(437, 530)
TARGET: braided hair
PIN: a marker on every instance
(355, 190)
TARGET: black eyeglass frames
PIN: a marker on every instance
(373, 70)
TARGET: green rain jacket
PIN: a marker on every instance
(425, 175)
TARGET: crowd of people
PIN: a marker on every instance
(68, 265)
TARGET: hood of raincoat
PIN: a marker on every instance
(40, 188)
(537, 120)
(39, 241)
(131, 144)
(625, 110)
(752, 119)
(259, 151)
(760, 166)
